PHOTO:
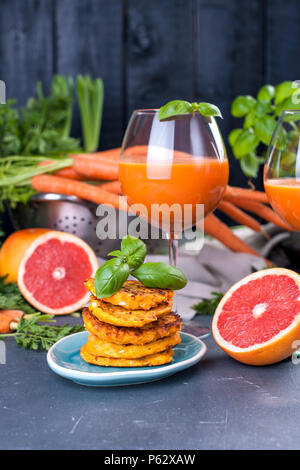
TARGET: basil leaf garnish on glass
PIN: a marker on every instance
(179, 107)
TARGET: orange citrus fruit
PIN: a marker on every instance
(13, 249)
(258, 319)
(52, 272)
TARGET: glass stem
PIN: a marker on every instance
(173, 248)
(173, 251)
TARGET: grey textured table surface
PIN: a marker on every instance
(217, 404)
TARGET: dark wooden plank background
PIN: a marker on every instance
(151, 51)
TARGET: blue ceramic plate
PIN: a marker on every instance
(64, 359)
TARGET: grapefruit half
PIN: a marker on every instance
(258, 319)
(53, 270)
(13, 249)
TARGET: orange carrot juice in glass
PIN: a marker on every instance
(284, 196)
(167, 177)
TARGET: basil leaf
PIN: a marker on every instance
(264, 129)
(232, 138)
(250, 164)
(160, 275)
(266, 93)
(208, 109)
(250, 119)
(262, 108)
(288, 104)
(174, 108)
(282, 91)
(242, 105)
(246, 142)
(110, 277)
(178, 107)
(135, 251)
(116, 253)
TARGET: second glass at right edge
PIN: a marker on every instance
(282, 168)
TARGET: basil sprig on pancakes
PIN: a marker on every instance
(129, 260)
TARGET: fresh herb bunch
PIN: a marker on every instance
(179, 107)
(31, 334)
(42, 127)
(208, 306)
(10, 141)
(46, 120)
(129, 260)
(39, 129)
(260, 116)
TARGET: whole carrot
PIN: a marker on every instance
(264, 212)
(70, 173)
(5, 322)
(12, 314)
(239, 216)
(111, 154)
(217, 229)
(59, 185)
(112, 187)
(95, 167)
(234, 192)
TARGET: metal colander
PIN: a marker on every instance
(72, 215)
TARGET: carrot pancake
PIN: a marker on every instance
(165, 326)
(133, 295)
(130, 351)
(153, 360)
(120, 316)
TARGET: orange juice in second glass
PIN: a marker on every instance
(180, 179)
(284, 196)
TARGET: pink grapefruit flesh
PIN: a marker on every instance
(258, 319)
(53, 270)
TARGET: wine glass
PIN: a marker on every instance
(282, 168)
(176, 170)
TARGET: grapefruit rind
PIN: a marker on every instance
(63, 237)
(274, 350)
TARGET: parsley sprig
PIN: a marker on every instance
(31, 334)
(208, 306)
(12, 299)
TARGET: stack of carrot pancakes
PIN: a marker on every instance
(134, 327)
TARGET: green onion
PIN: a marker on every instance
(90, 96)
